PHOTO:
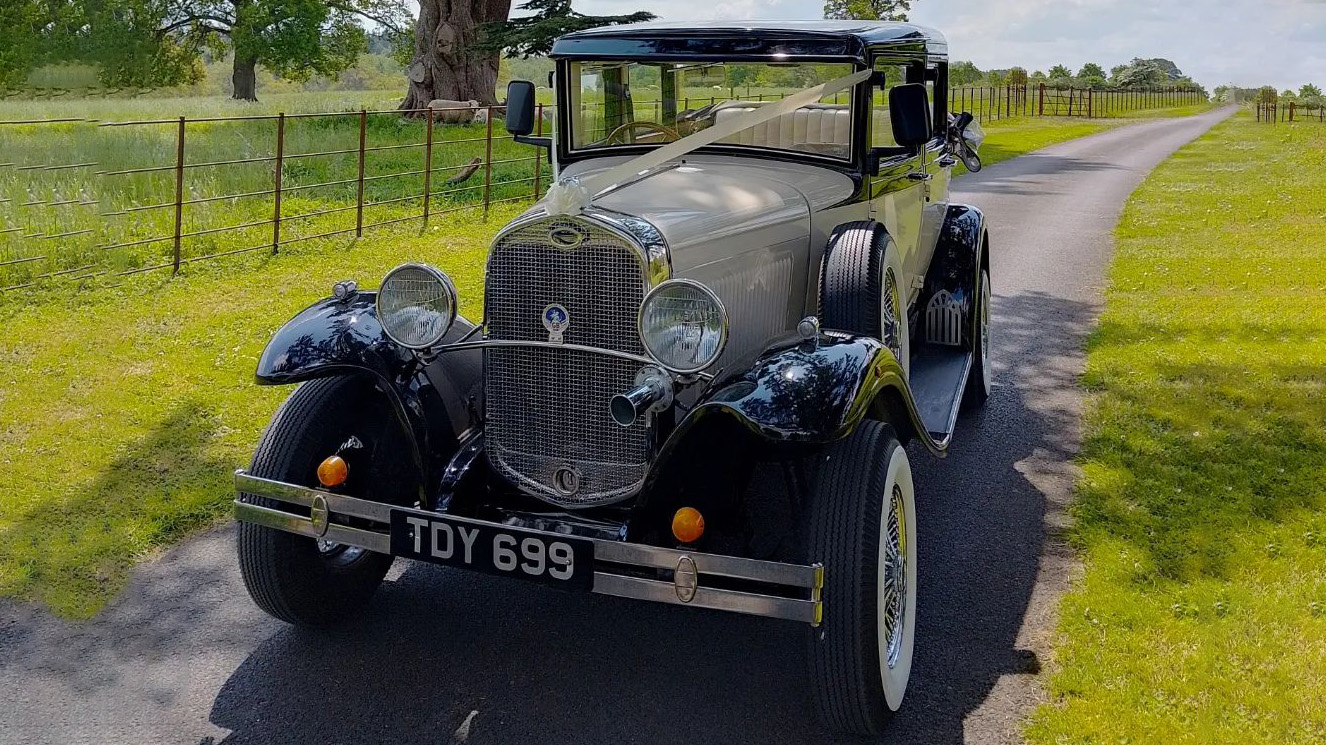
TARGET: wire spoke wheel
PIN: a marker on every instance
(893, 577)
(891, 314)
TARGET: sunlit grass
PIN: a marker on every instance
(1201, 617)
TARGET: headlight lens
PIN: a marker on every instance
(683, 325)
(416, 305)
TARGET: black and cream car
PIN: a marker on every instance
(704, 356)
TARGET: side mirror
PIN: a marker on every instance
(909, 108)
(520, 107)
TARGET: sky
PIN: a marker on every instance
(1246, 42)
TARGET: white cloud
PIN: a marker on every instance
(1248, 42)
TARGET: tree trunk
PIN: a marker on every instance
(445, 65)
(245, 79)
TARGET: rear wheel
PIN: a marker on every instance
(862, 527)
(862, 288)
(980, 379)
(307, 581)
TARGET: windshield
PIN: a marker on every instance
(616, 103)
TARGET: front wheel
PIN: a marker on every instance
(302, 580)
(862, 527)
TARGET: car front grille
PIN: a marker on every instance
(547, 407)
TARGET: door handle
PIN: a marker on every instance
(920, 176)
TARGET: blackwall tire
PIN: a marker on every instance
(862, 527)
(862, 288)
(980, 379)
(289, 576)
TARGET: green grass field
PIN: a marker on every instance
(1201, 617)
(125, 409)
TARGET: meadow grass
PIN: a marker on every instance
(125, 409)
(1201, 616)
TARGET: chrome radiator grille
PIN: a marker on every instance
(547, 408)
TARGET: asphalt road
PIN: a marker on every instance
(444, 656)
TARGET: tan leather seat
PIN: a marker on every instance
(815, 128)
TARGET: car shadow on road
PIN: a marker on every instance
(1024, 175)
(542, 666)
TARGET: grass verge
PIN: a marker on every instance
(125, 409)
(1201, 616)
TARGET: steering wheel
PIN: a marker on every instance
(632, 126)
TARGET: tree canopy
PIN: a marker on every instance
(867, 10)
(534, 34)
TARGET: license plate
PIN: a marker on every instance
(510, 552)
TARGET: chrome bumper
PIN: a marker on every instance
(689, 569)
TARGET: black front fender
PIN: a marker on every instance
(344, 337)
(815, 392)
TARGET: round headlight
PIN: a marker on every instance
(683, 325)
(416, 305)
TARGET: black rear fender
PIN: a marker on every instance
(954, 275)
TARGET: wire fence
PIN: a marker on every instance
(992, 103)
(83, 199)
(1292, 111)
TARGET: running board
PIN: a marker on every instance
(938, 377)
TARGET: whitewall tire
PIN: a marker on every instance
(862, 527)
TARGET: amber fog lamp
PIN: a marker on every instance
(333, 471)
(688, 525)
(416, 305)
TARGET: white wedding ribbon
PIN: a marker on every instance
(572, 194)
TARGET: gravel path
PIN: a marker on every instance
(445, 657)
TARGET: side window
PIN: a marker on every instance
(881, 126)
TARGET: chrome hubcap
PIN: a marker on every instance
(893, 591)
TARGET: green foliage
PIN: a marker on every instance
(1200, 515)
(1017, 76)
(964, 73)
(1308, 91)
(535, 33)
(1138, 74)
(1060, 72)
(296, 38)
(1091, 70)
(867, 10)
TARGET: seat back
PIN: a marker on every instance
(818, 128)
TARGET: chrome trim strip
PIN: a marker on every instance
(642, 359)
(377, 542)
(637, 554)
(769, 606)
(606, 580)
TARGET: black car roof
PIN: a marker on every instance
(779, 39)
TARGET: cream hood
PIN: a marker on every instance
(709, 198)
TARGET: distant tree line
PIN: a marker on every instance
(448, 49)
(1308, 96)
(1140, 74)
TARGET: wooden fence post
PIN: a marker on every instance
(1091, 104)
(277, 174)
(428, 164)
(1041, 110)
(359, 211)
(488, 165)
(1293, 106)
(179, 191)
(538, 151)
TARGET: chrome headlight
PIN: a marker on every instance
(416, 305)
(683, 325)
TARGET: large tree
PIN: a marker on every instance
(447, 63)
(867, 10)
(458, 44)
(157, 42)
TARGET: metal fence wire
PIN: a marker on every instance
(117, 215)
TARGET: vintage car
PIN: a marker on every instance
(701, 355)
